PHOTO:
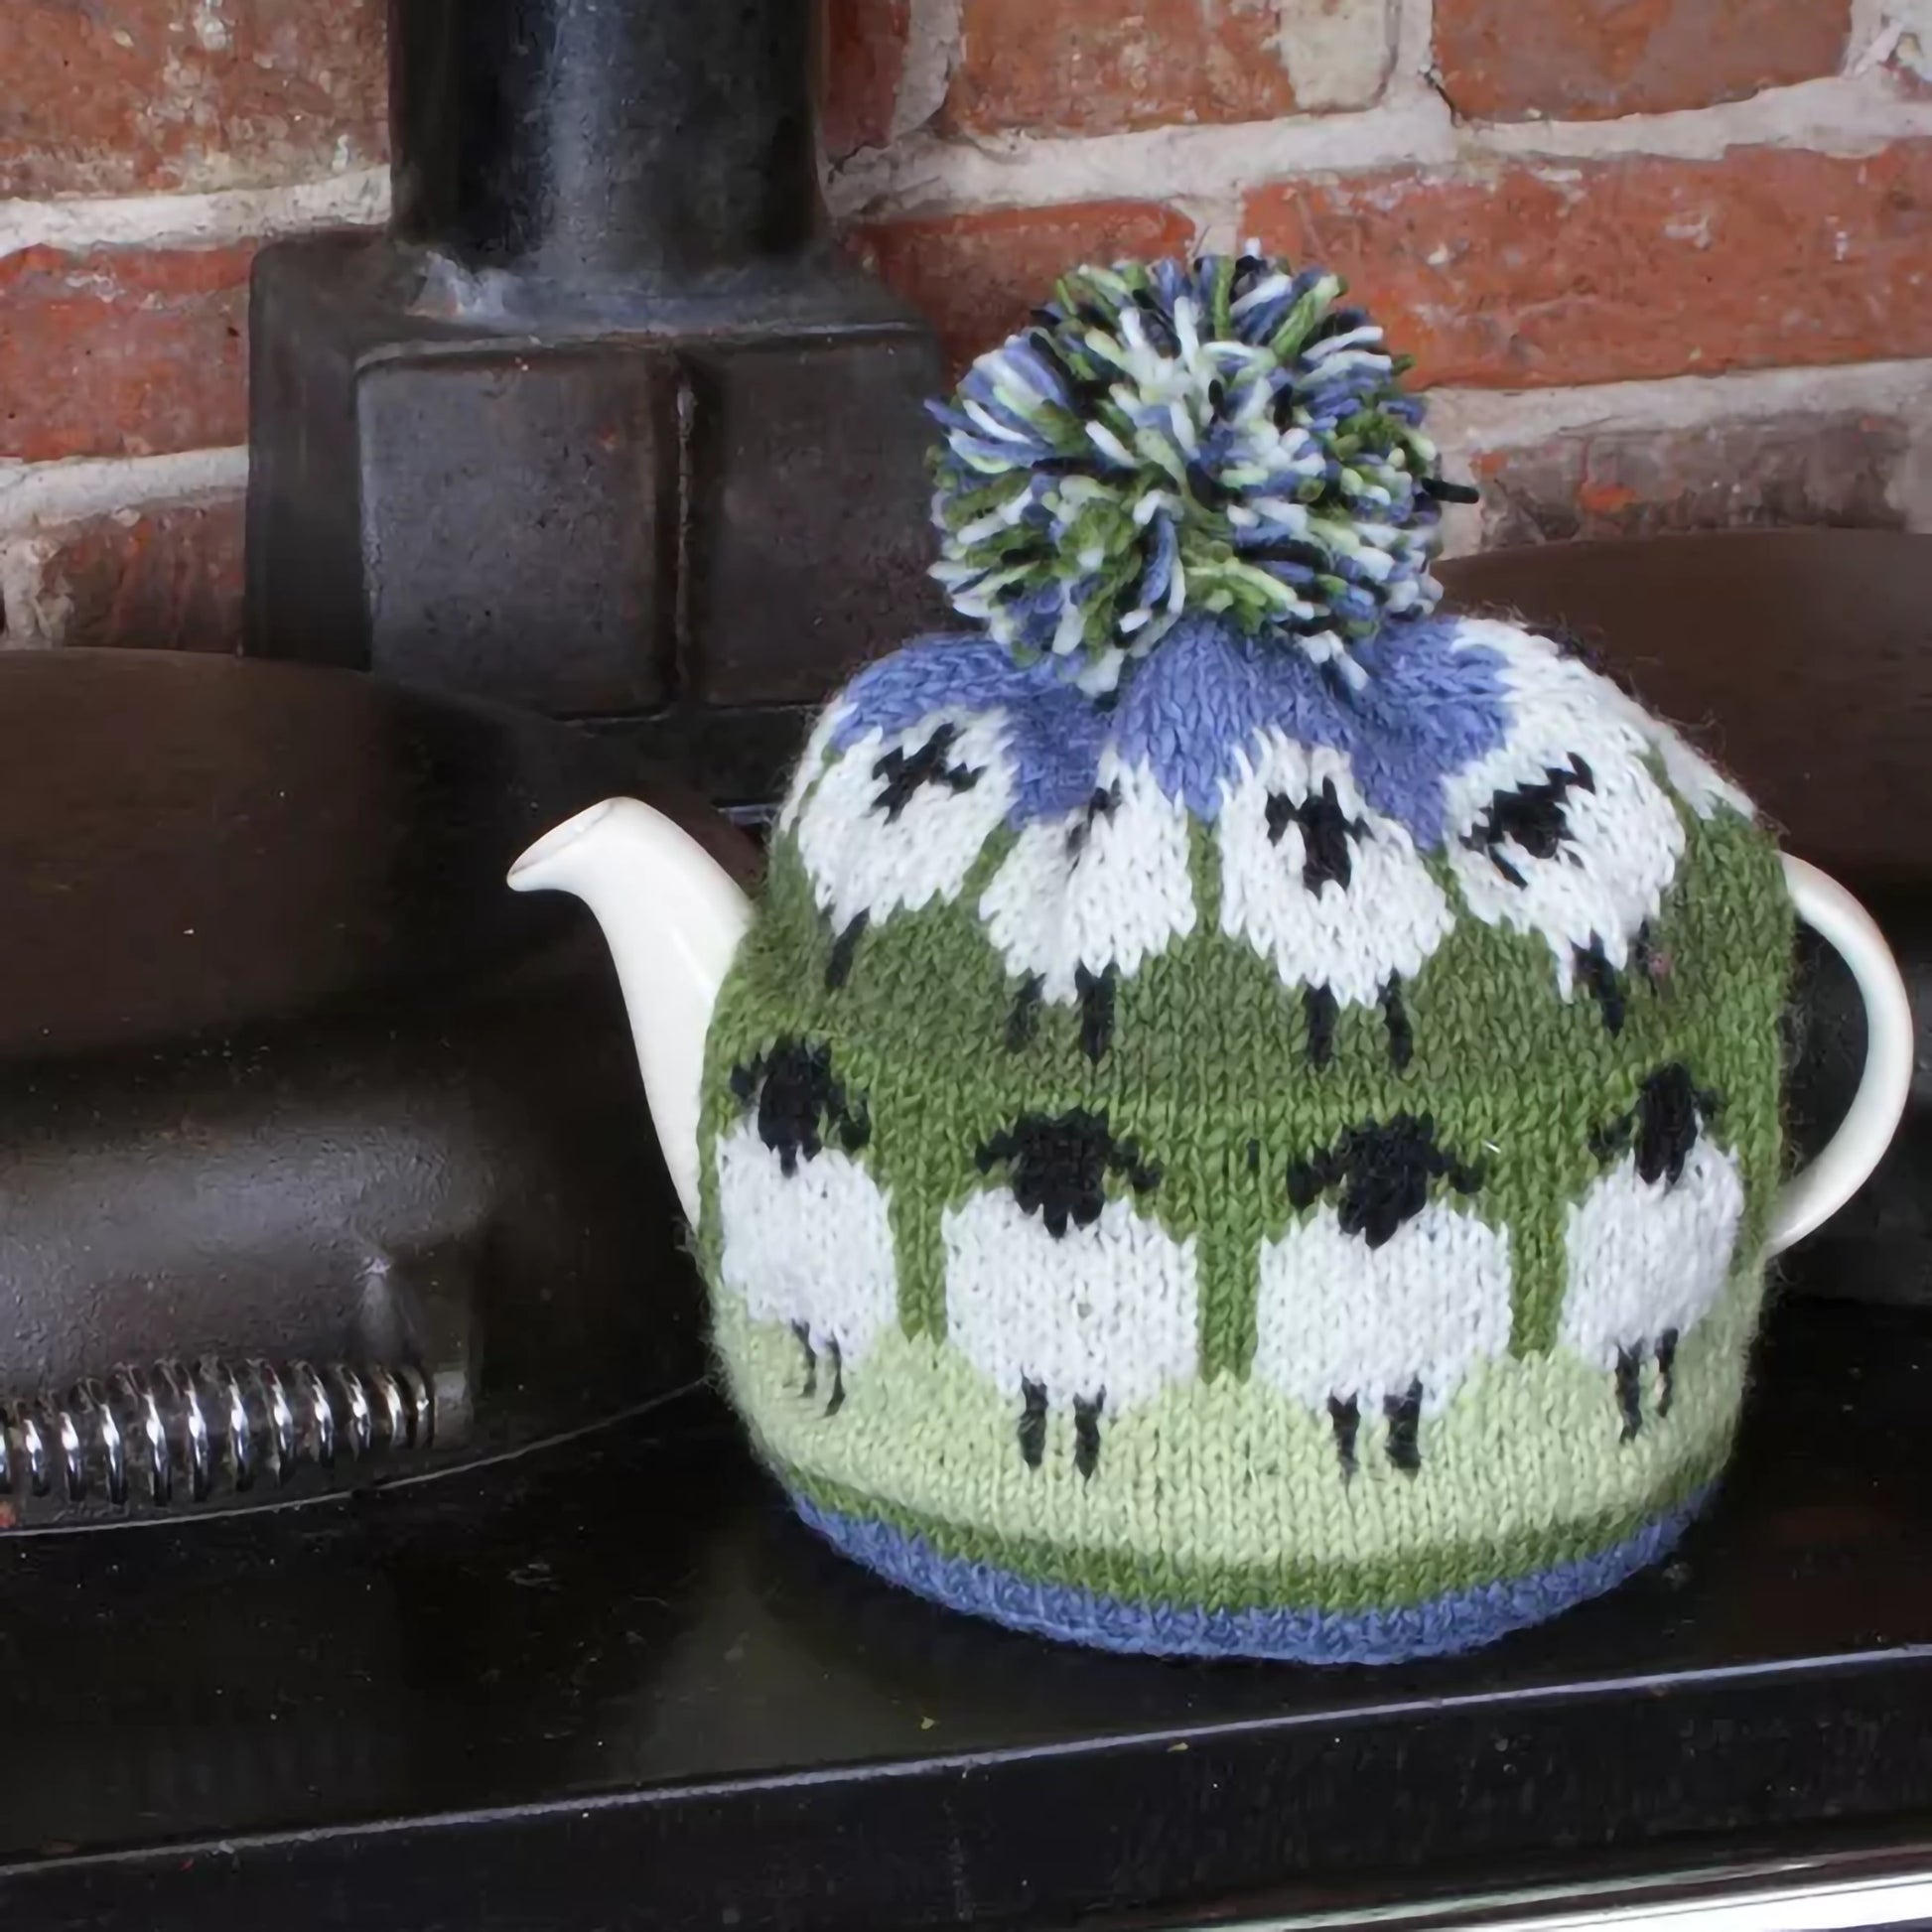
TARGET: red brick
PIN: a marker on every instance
(862, 55)
(978, 276)
(1603, 270)
(1593, 60)
(122, 353)
(102, 99)
(167, 579)
(1770, 472)
(1094, 66)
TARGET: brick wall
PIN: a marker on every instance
(1666, 264)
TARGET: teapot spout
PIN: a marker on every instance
(672, 918)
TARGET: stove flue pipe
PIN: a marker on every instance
(592, 140)
(604, 424)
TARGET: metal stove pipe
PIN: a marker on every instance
(605, 425)
(585, 140)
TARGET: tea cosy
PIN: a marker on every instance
(1245, 1119)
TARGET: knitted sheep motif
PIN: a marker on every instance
(1245, 1119)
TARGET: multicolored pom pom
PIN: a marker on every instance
(1217, 437)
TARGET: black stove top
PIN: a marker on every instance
(613, 1682)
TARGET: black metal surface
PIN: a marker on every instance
(740, 755)
(290, 1073)
(614, 1684)
(579, 139)
(604, 427)
(520, 511)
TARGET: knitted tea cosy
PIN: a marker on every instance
(1244, 1121)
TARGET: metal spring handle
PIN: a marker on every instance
(171, 1428)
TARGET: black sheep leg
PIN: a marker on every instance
(1032, 1423)
(1086, 1432)
(1629, 1388)
(1666, 1370)
(1405, 1421)
(1395, 1016)
(1346, 1420)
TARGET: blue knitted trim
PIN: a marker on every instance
(1431, 706)
(1459, 1620)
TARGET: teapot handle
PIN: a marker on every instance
(1812, 1196)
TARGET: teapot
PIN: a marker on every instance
(1245, 1120)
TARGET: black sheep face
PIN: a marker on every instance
(1383, 1174)
(902, 776)
(1531, 819)
(801, 1102)
(1058, 1165)
(1663, 1127)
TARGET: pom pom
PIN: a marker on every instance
(1218, 436)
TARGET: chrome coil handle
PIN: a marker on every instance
(173, 1432)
